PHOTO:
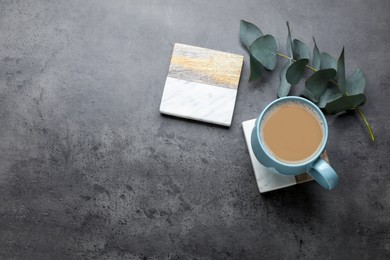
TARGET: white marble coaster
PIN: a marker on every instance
(266, 178)
(201, 84)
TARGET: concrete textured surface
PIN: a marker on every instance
(89, 169)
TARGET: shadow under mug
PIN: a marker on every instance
(316, 167)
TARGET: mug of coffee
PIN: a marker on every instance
(290, 135)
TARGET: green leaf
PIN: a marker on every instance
(316, 56)
(300, 50)
(327, 62)
(296, 71)
(264, 50)
(284, 86)
(318, 82)
(356, 82)
(277, 43)
(289, 41)
(307, 93)
(341, 72)
(331, 93)
(249, 33)
(345, 103)
(257, 69)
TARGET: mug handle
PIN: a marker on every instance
(324, 174)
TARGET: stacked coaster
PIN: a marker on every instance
(267, 179)
(202, 84)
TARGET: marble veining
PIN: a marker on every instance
(198, 101)
(201, 84)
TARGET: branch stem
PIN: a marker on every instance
(285, 56)
(367, 124)
(346, 94)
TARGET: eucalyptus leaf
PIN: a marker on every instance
(289, 41)
(331, 94)
(264, 50)
(300, 50)
(249, 33)
(284, 86)
(345, 103)
(327, 61)
(341, 72)
(296, 71)
(318, 82)
(316, 56)
(277, 43)
(257, 69)
(356, 82)
(307, 93)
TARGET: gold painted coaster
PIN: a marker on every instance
(266, 178)
(202, 84)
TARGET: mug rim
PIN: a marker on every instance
(319, 112)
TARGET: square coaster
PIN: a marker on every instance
(202, 84)
(267, 179)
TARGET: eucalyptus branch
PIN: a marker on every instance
(345, 93)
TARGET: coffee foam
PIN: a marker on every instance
(309, 108)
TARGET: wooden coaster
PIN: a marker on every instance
(202, 84)
(267, 178)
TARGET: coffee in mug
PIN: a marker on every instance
(292, 132)
(289, 136)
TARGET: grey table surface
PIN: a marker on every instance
(89, 169)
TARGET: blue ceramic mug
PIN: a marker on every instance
(319, 169)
